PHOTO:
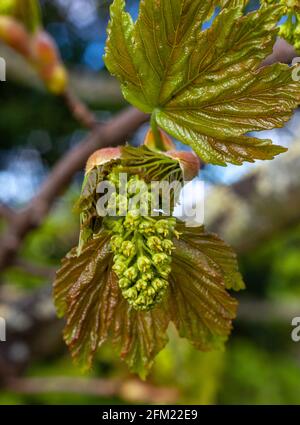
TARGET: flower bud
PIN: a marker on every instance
(164, 271)
(44, 50)
(146, 227)
(159, 284)
(155, 243)
(159, 259)
(132, 219)
(143, 263)
(128, 248)
(119, 268)
(116, 242)
(14, 35)
(162, 227)
(56, 80)
(141, 285)
(168, 246)
(124, 283)
(131, 273)
(130, 293)
(119, 258)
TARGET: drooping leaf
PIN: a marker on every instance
(204, 87)
(200, 306)
(215, 248)
(87, 293)
(84, 292)
(140, 336)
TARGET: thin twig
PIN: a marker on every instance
(6, 212)
(130, 390)
(80, 110)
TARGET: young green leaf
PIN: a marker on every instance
(205, 88)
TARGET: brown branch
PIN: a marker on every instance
(37, 270)
(6, 212)
(130, 390)
(282, 52)
(112, 133)
(79, 110)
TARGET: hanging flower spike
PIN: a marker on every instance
(135, 273)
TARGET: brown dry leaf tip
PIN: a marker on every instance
(102, 156)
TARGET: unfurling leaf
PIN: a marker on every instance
(205, 88)
(173, 273)
(86, 291)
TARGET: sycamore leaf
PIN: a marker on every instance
(84, 293)
(87, 293)
(214, 248)
(204, 87)
(140, 335)
(200, 306)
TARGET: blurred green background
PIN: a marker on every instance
(261, 364)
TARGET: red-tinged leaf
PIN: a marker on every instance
(85, 291)
(200, 306)
(217, 250)
(140, 336)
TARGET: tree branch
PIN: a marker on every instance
(6, 212)
(132, 390)
(79, 110)
(282, 52)
(112, 133)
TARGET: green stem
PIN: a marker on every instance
(157, 135)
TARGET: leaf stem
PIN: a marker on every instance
(156, 132)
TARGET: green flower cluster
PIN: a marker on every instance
(142, 245)
(290, 29)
